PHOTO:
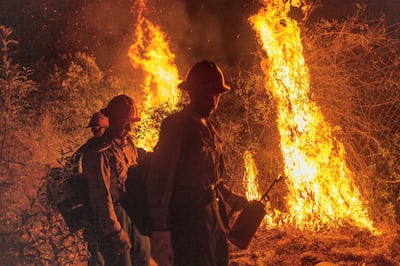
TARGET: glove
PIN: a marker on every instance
(120, 242)
(236, 202)
(161, 247)
(152, 262)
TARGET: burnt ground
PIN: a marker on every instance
(345, 247)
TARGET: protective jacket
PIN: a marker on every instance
(106, 167)
(73, 163)
(186, 166)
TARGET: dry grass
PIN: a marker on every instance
(344, 247)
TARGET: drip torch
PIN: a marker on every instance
(249, 219)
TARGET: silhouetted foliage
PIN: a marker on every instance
(355, 77)
(15, 86)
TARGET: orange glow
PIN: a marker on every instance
(151, 53)
(250, 183)
(250, 177)
(322, 193)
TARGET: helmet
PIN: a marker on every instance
(205, 77)
(98, 119)
(122, 107)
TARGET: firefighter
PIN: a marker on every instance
(98, 124)
(186, 194)
(114, 239)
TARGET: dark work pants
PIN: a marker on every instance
(101, 252)
(197, 239)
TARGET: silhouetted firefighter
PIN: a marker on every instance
(113, 238)
(185, 189)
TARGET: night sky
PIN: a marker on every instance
(215, 29)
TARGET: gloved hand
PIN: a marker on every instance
(120, 242)
(161, 247)
(152, 262)
(236, 202)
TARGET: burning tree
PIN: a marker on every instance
(337, 106)
(322, 192)
(360, 97)
(151, 53)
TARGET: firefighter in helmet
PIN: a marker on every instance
(115, 239)
(98, 124)
(186, 194)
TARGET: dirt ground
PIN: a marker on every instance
(344, 247)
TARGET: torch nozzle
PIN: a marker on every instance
(276, 180)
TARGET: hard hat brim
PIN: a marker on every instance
(212, 91)
(222, 89)
(216, 90)
(134, 119)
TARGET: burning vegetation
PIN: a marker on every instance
(317, 103)
(151, 53)
(322, 193)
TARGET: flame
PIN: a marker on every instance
(151, 53)
(250, 177)
(322, 193)
(273, 217)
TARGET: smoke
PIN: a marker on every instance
(217, 30)
(196, 29)
(173, 19)
(102, 28)
(214, 29)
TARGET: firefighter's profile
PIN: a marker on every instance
(186, 192)
(113, 239)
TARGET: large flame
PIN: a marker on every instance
(151, 53)
(322, 193)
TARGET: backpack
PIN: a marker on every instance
(68, 189)
(69, 193)
(134, 199)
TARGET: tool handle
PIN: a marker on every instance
(265, 195)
